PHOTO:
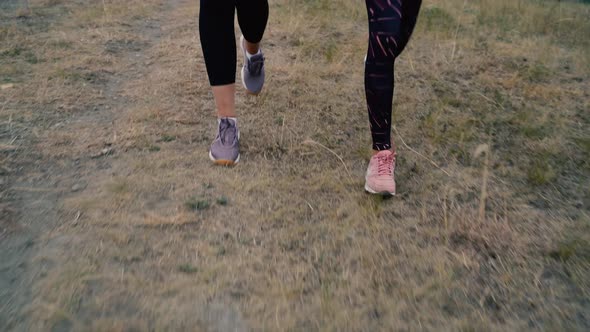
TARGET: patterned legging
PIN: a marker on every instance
(391, 23)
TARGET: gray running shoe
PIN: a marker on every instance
(252, 71)
(225, 149)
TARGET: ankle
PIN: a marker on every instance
(233, 118)
(227, 113)
(251, 48)
(374, 152)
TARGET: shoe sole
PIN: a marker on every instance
(382, 193)
(224, 162)
(252, 93)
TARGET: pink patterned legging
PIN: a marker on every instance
(391, 23)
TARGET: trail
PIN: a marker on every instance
(38, 183)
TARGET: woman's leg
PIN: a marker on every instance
(252, 18)
(410, 11)
(216, 29)
(391, 23)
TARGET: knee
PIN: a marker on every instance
(384, 43)
(381, 50)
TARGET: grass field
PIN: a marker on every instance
(113, 219)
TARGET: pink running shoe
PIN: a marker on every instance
(380, 174)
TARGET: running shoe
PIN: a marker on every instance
(225, 149)
(380, 174)
(253, 70)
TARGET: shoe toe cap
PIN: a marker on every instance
(253, 83)
(220, 152)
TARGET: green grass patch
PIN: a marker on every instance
(19, 53)
(437, 20)
(330, 51)
(541, 173)
(118, 186)
(31, 58)
(564, 23)
(187, 268)
(6, 78)
(167, 138)
(530, 124)
(499, 16)
(564, 251)
(61, 44)
(584, 144)
(221, 251)
(575, 245)
(222, 200)
(535, 73)
(197, 204)
(534, 131)
(460, 154)
(321, 50)
(12, 52)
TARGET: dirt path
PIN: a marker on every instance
(38, 182)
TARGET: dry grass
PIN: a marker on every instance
(495, 237)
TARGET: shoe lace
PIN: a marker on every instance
(255, 64)
(385, 164)
(227, 131)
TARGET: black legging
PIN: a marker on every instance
(391, 23)
(218, 40)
